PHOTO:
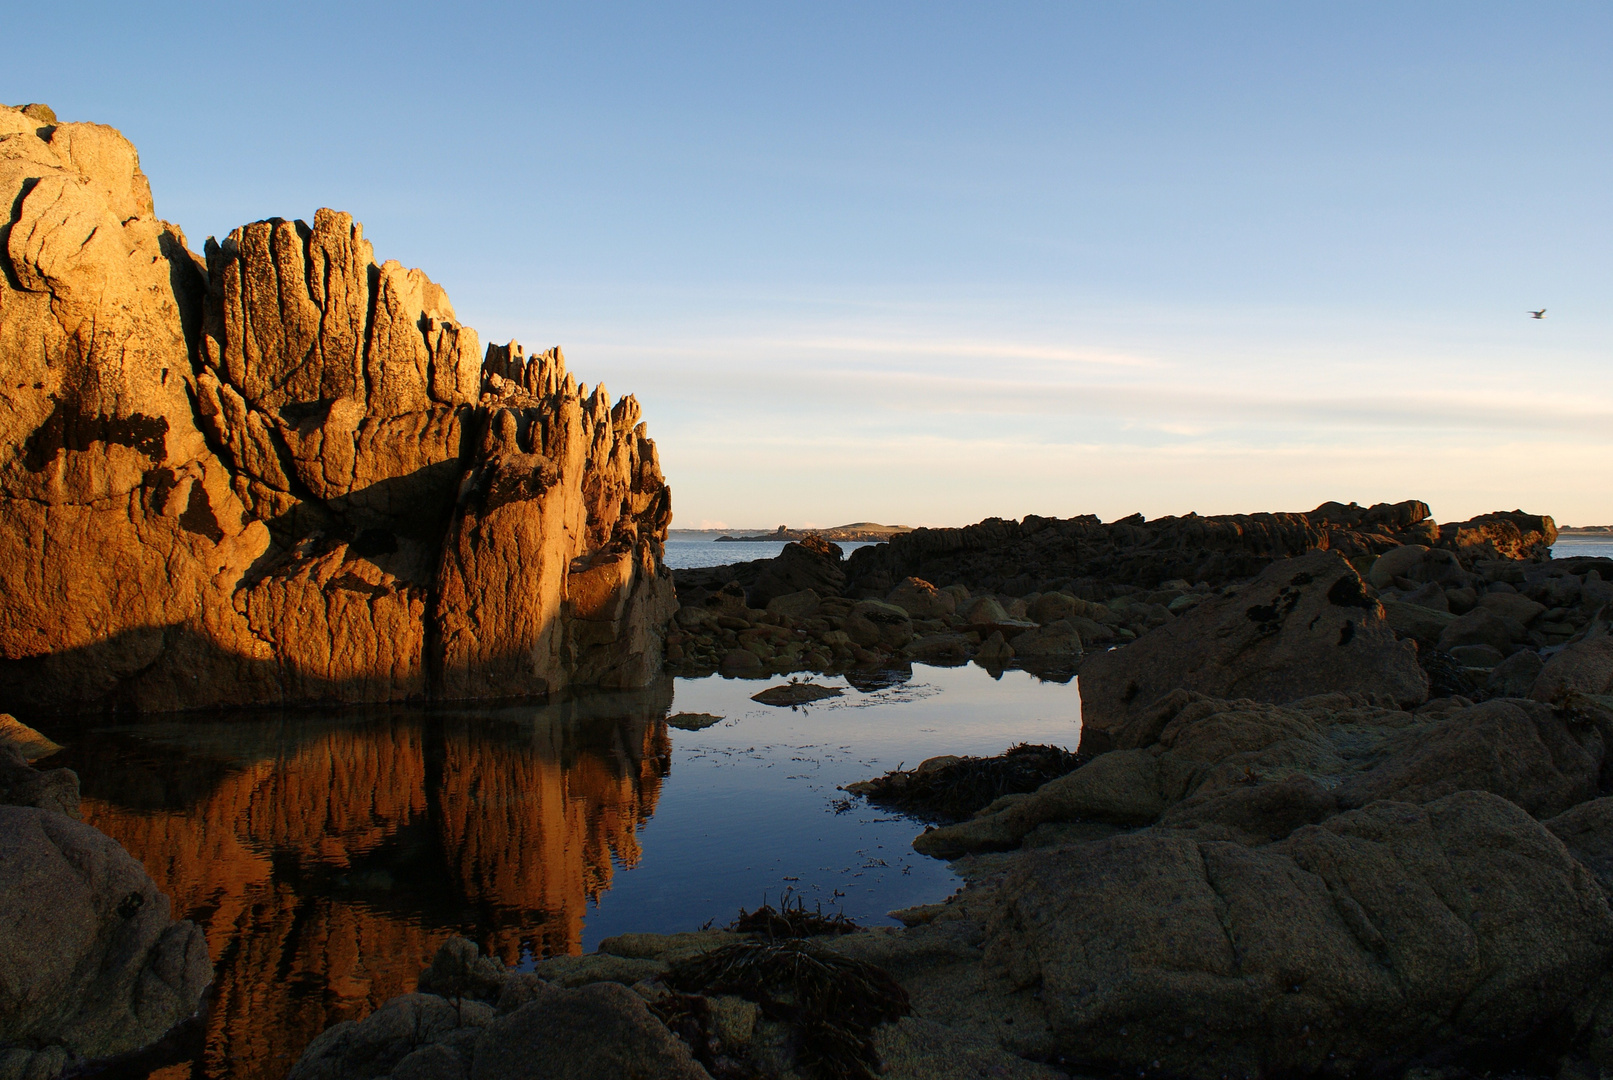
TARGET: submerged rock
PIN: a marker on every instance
(796, 693)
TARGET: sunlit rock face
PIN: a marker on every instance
(288, 473)
(327, 861)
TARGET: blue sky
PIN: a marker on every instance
(926, 263)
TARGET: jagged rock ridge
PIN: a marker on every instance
(287, 473)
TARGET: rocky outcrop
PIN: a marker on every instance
(1374, 937)
(1093, 559)
(1305, 626)
(289, 473)
(91, 965)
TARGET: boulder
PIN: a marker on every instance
(876, 624)
(47, 789)
(1418, 564)
(1305, 626)
(1585, 666)
(91, 965)
(1362, 942)
(809, 564)
(1055, 644)
(983, 611)
(1501, 535)
(1512, 606)
(1515, 676)
(796, 605)
(601, 1031)
(1586, 831)
(1477, 656)
(1481, 627)
(1197, 762)
(921, 600)
(1518, 750)
(1415, 621)
(24, 739)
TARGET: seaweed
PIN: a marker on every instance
(833, 1003)
(958, 790)
(791, 922)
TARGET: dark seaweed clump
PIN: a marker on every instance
(833, 1003)
(791, 920)
(957, 791)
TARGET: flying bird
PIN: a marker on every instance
(1541, 314)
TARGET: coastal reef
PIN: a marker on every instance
(285, 472)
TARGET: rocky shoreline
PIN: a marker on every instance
(1345, 817)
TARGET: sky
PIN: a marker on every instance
(928, 263)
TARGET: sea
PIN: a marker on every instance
(1599, 544)
(686, 553)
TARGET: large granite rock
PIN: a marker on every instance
(91, 965)
(1253, 773)
(1304, 626)
(289, 474)
(1376, 936)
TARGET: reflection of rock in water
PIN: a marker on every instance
(328, 859)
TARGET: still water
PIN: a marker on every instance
(328, 856)
(688, 553)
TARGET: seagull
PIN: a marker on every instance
(1541, 314)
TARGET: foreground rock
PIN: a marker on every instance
(1304, 626)
(629, 1011)
(91, 965)
(1374, 937)
(290, 474)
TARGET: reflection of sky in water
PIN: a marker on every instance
(327, 855)
(749, 807)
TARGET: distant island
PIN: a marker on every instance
(1585, 530)
(861, 530)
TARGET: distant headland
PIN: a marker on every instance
(861, 530)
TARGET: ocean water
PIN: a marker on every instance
(328, 855)
(1583, 545)
(685, 554)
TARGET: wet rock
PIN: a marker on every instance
(1304, 626)
(741, 663)
(994, 650)
(875, 624)
(942, 648)
(796, 693)
(91, 965)
(1055, 644)
(693, 721)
